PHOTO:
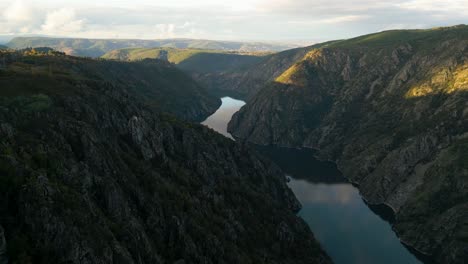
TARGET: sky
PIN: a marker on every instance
(259, 20)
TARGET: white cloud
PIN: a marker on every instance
(18, 12)
(165, 31)
(458, 6)
(343, 19)
(225, 19)
(62, 21)
(18, 16)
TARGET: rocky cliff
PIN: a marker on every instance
(392, 110)
(90, 172)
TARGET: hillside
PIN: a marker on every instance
(190, 60)
(247, 80)
(157, 83)
(90, 173)
(391, 109)
(98, 47)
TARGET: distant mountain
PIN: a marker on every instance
(93, 171)
(391, 109)
(98, 47)
(191, 60)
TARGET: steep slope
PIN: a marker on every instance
(90, 174)
(158, 83)
(247, 80)
(98, 47)
(392, 110)
(190, 60)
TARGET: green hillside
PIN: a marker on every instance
(156, 82)
(395, 37)
(192, 60)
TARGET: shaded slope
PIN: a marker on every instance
(90, 173)
(157, 83)
(391, 109)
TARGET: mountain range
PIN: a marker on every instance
(99, 47)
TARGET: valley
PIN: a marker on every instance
(350, 232)
(135, 151)
(98, 165)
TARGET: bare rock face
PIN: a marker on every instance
(90, 173)
(391, 113)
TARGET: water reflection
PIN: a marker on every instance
(299, 164)
(349, 231)
(346, 227)
(219, 120)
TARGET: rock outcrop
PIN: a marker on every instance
(391, 109)
(90, 173)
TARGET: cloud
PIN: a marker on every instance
(165, 31)
(447, 6)
(18, 16)
(18, 11)
(227, 19)
(62, 21)
(343, 19)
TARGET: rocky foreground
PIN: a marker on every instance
(392, 110)
(90, 172)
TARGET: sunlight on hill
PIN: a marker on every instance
(288, 76)
(442, 82)
(293, 74)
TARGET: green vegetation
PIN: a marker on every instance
(423, 37)
(192, 60)
(159, 84)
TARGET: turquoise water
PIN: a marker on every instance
(349, 230)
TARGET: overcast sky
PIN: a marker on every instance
(225, 20)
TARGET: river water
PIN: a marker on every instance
(350, 231)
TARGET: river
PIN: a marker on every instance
(350, 231)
